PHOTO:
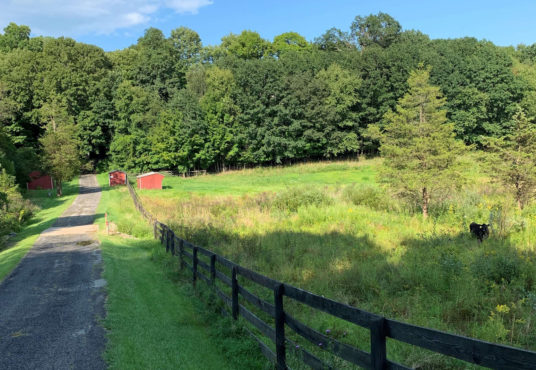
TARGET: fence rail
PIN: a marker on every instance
(495, 356)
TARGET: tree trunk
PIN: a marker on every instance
(425, 201)
(59, 190)
(518, 197)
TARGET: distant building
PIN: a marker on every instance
(117, 177)
(39, 181)
(151, 180)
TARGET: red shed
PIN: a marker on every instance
(151, 180)
(39, 181)
(117, 177)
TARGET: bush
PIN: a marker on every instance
(369, 196)
(499, 268)
(294, 198)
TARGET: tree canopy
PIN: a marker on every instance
(168, 102)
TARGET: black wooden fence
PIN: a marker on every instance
(211, 268)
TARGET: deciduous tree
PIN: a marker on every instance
(60, 147)
(289, 41)
(514, 160)
(380, 29)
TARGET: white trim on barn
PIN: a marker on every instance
(150, 173)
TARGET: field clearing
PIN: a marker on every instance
(251, 181)
(342, 236)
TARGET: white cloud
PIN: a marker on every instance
(79, 17)
(187, 6)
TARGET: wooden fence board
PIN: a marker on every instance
(224, 297)
(256, 301)
(257, 278)
(265, 350)
(307, 357)
(204, 251)
(188, 254)
(223, 278)
(189, 245)
(203, 277)
(467, 349)
(225, 262)
(344, 351)
(394, 366)
(263, 327)
(204, 265)
(340, 310)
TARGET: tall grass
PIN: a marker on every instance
(351, 241)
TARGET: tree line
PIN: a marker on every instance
(172, 103)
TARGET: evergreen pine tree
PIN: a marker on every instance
(420, 151)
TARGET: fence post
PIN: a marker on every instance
(168, 234)
(234, 287)
(280, 327)
(162, 230)
(172, 243)
(212, 269)
(154, 229)
(181, 253)
(378, 356)
(194, 262)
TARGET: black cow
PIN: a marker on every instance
(481, 231)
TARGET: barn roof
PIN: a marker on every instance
(150, 174)
(35, 174)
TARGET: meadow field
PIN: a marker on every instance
(330, 228)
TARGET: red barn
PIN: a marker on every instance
(117, 177)
(39, 181)
(151, 180)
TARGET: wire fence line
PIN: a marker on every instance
(222, 275)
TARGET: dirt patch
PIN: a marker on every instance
(85, 242)
(114, 230)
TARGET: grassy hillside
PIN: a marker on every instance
(153, 322)
(331, 229)
(258, 180)
(49, 208)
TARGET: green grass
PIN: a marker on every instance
(50, 208)
(268, 179)
(332, 230)
(154, 318)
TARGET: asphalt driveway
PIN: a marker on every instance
(50, 305)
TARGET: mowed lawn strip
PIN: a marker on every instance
(50, 209)
(152, 322)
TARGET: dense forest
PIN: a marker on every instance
(170, 103)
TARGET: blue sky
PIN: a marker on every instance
(116, 24)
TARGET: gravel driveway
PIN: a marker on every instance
(50, 305)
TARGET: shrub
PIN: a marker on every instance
(293, 198)
(369, 196)
(503, 267)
